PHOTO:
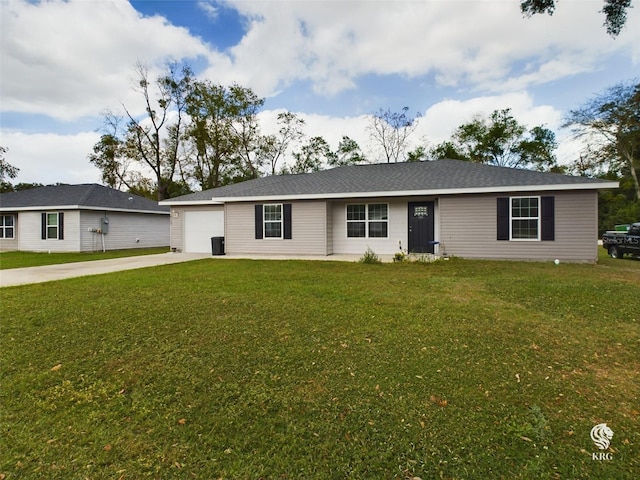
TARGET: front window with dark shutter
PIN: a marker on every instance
(526, 218)
(273, 221)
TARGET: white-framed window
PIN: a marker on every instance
(7, 226)
(52, 225)
(272, 220)
(525, 218)
(368, 220)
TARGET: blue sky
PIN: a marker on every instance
(332, 62)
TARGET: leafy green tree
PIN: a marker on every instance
(446, 149)
(247, 131)
(312, 157)
(223, 132)
(348, 153)
(501, 140)
(391, 130)
(419, 154)
(273, 148)
(610, 125)
(110, 157)
(7, 171)
(615, 12)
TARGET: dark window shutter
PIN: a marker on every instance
(503, 218)
(43, 226)
(547, 218)
(60, 226)
(286, 217)
(258, 222)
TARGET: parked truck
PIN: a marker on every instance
(617, 243)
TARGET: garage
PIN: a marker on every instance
(199, 227)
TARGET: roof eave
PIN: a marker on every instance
(215, 201)
(78, 207)
(408, 193)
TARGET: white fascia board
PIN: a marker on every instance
(50, 208)
(413, 193)
(195, 202)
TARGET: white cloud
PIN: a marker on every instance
(68, 59)
(50, 158)
(474, 44)
(209, 9)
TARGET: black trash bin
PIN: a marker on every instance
(217, 245)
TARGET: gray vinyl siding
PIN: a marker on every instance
(397, 228)
(176, 229)
(468, 225)
(126, 230)
(329, 223)
(308, 226)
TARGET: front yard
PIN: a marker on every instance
(288, 369)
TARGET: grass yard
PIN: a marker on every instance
(35, 259)
(241, 369)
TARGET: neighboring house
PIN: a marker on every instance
(80, 218)
(446, 206)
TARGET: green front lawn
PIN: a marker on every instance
(243, 369)
(36, 259)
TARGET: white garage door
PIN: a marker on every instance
(199, 227)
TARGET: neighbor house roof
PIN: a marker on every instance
(89, 196)
(437, 177)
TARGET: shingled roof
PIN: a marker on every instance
(89, 196)
(437, 177)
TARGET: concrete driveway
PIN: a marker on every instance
(47, 273)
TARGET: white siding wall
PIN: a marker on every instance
(126, 230)
(469, 225)
(308, 227)
(30, 233)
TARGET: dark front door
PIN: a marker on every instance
(421, 227)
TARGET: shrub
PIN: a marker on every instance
(369, 257)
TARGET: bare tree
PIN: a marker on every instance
(390, 131)
(273, 148)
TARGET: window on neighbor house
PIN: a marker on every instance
(368, 220)
(7, 226)
(52, 224)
